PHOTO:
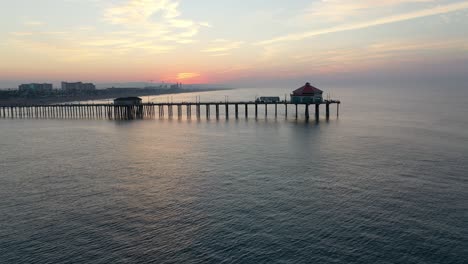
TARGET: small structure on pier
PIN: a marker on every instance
(128, 101)
(307, 94)
(268, 99)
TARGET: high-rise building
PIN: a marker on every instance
(35, 87)
(78, 87)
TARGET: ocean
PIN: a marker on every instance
(385, 182)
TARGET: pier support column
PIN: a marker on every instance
(246, 111)
(266, 109)
(337, 109)
(317, 112)
(286, 110)
(217, 111)
(237, 111)
(227, 111)
(307, 112)
(296, 112)
(276, 110)
(207, 111)
(327, 111)
(256, 110)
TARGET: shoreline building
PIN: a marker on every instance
(128, 101)
(77, 87)
(176, 86)
(307, 94)
(41, 88)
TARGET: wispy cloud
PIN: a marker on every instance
(377, 22)
(143, 26)
(126, 44)
(139, 11)
(22, 33)
(419, 46)
(159, 19)
(338, 10)
(227, 46)
(381, 53)
(219, 54)
(187, 75)
(33, 23)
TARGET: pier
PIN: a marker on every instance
(162, 110)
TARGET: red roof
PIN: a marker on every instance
(307, 89)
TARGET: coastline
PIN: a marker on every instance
(108, 95)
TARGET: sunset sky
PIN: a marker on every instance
(229, 41)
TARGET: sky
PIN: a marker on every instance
(255, 42)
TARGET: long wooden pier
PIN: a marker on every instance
(155, 110)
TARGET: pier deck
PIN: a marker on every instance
(153, 110)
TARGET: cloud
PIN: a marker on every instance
(139, 11)
(187, 75)
(382, 53)
(205, 24)
(22, 34)
(86, 28)
(126, 44)
(219, 54)
(33, 23)
(140, 27)
(418, 46)
(159, 19)
(338, 10)
(226, 47)
(377, 22)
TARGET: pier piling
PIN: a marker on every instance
(256, 110)
(317, 112)
(227, 111)
(296, 112)
(327, 111)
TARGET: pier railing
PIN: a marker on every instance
(154, 110)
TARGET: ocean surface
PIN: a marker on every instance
(385, 182)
